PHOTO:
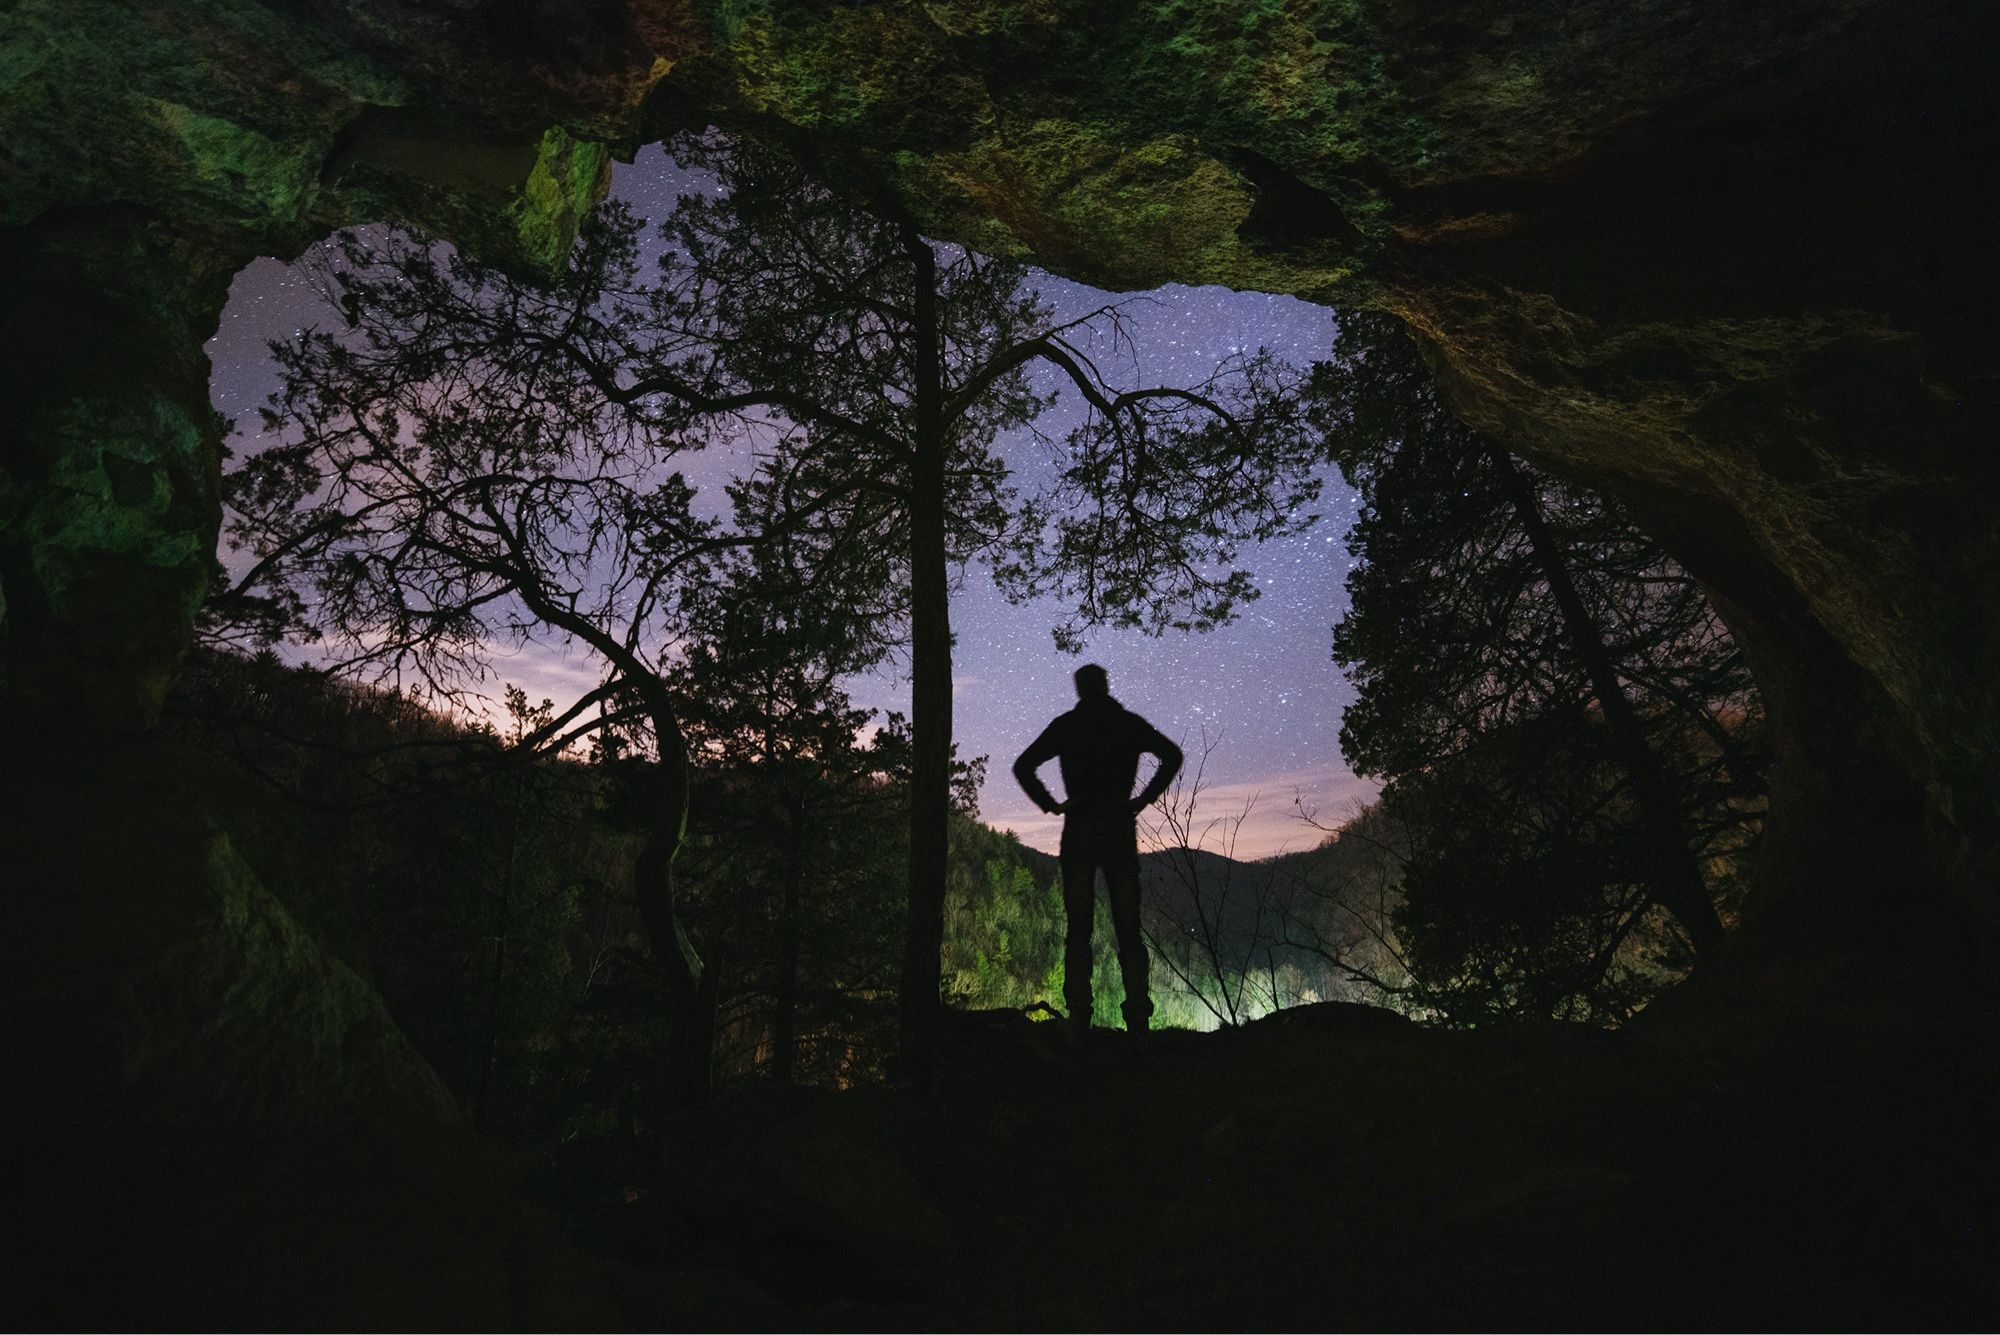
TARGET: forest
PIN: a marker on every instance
(530, 818)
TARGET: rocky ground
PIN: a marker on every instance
(1330, 1169)
(1338, 1168)
(211, 1121)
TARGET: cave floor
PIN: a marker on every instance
(1337, 1168)
(1825, 1163)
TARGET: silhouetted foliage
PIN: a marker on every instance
(1570, 735)
(1350, 889)
(796, 835)
(475, 461)
(1216, 929)
(446, 481)
(888, 367)
(480, 885)
(1234, 941)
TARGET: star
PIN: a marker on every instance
(1261, 694)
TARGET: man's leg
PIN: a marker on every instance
(1079, 879)
(1121, 877)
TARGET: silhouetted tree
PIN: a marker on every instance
(799, 819)
(513, 442)
(447, 481)
(1568, 730)
(1214, 933)
(1349, 891)
(882, 368)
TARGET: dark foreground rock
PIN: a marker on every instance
(1344, 1170)
(210, 1120)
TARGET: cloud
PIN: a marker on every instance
(1279, 814)
(543, 672)
(1032, 827)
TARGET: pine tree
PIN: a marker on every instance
(1567, 728)
(476, 459)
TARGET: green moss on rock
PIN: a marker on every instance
(270, 179)
(869, 70)
(568, 179)
(221, 111)
(245, 1018)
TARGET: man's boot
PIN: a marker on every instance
(1137, 1020)
(1076, 1029)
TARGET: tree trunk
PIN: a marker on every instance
(690, 991)
(690, 1048)
(490, 1049)
(930, 666)
(1676, 880)
(785, 1007)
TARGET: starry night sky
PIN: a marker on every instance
(1263, 691)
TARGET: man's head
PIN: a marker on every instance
(1092, 682)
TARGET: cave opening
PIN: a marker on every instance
(1726, 273)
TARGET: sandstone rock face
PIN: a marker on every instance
(213, 1121)
(159, 982)
(213, 1116)
(1732, 265)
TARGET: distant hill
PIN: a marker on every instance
(1230, 937)
(1176, 882)
(1163, 872)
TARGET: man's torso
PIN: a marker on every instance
(1098, 751)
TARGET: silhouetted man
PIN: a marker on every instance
(1099, 744)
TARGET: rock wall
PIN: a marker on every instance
(1734, 264)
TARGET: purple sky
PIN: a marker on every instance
(1264, 690)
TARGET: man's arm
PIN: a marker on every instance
(1154, 742)
(1040, 751)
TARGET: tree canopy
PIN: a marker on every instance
(475, 460)
(890, 367)
(1504, 627)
